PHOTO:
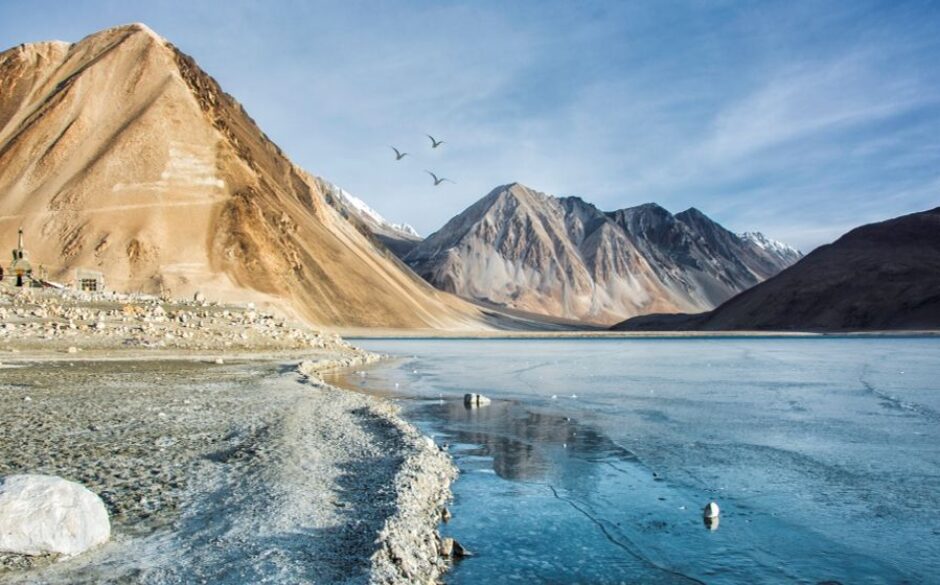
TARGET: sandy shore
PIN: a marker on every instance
(234, 470)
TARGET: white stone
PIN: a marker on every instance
(475, 400)
(41, 514)
(307, 368)
(711, 510)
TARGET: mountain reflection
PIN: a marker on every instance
(526, 445)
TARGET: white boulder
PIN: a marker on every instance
(41, 514)
(475, 400)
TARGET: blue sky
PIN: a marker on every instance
(798, 119)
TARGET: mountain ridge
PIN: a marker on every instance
(564, 257)
(879, 276)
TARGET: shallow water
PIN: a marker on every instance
(596, 457)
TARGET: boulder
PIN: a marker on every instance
(475, 400)
(43, 514)
(451, 548)
(307, 368)
(711, 516)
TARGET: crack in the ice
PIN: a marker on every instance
(613, 540)
(897, 403)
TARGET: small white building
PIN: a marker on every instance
(89, 280)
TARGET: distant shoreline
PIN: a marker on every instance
(433, 334)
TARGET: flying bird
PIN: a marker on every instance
(436, 180)
(434, 143)
(398, 154)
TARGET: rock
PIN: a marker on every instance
(452, 549)
(447, 547)
(711, 516)
(445, 515)
(220, 361)
(307, 368)
(72, 349)
(459, 551)
(199, 297)
(475, 400)
(43, 514)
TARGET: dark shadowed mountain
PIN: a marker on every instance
(563, 257)
(882, 276)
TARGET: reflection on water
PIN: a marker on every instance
(523, 445)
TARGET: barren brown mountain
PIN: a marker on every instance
(118, 153)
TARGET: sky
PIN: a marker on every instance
(797, 119)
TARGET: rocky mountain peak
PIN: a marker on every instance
(564, 257)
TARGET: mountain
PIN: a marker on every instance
(564, 257)
(882, 276)
(786, 252)
(697, 257)
(118, 153)
(400, 238)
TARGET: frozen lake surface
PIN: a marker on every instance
(597, 456)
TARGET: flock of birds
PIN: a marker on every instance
(434, 144)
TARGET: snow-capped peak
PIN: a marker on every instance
(765, 243)
(406, 228)
(363, 209)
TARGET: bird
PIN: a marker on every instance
(436, 180)
(398, 154)
(434, 143)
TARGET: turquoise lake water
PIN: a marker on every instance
(596, 457)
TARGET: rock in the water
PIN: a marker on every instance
(711, 516)
(452, 549)
(475, 400)
(459, 551)
(42, 514)
(447, 547)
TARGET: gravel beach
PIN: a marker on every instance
(242, 470)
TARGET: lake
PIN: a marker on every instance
(596, 457)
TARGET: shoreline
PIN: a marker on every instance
(409, 544)
(354, 334)
(330, 469)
